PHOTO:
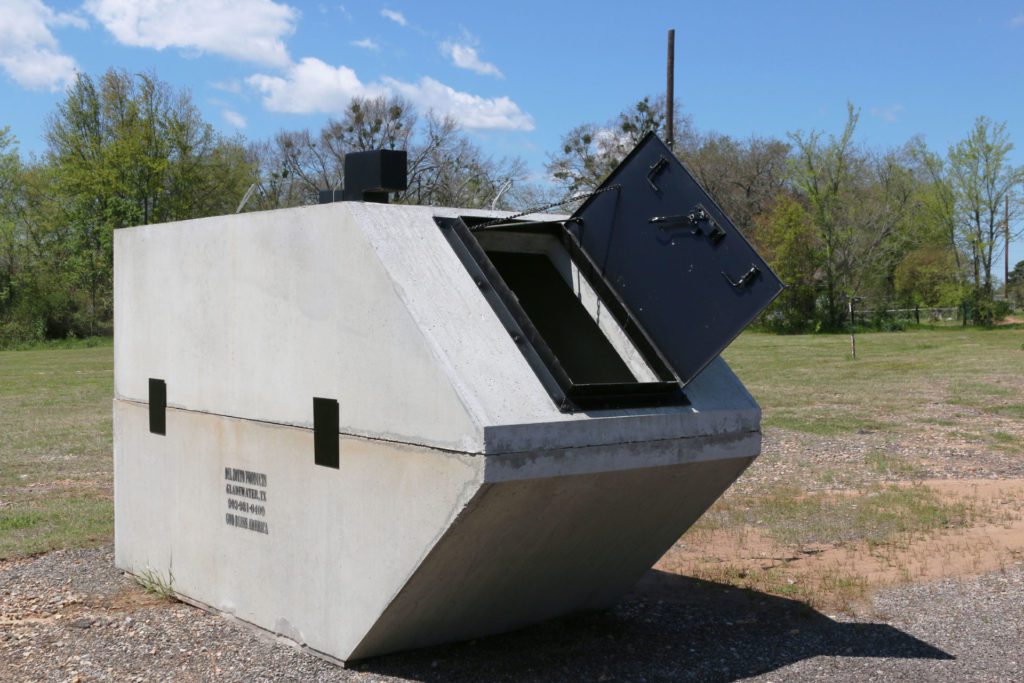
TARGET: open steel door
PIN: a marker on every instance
(678, 264)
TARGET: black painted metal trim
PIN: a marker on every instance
(565, 394)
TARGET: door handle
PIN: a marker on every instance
(656, 168)
(745, 279)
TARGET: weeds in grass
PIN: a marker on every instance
(877, 516)
(1013, 410)
(1012, 443)
(11, 521)
(939, 421)
(832, 588)
(829, 549)
(154, 582)
(888, 465)
(830, 425)
(74, 517)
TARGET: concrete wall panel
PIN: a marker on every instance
(340, 543)
(253, 315)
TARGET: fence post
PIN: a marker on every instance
(853, 331)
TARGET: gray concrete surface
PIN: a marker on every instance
(466, 503)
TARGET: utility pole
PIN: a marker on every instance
(670, 89)
(1006, 251)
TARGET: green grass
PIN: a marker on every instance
(19, 520)
(55, 448)
(1004, 438)
(880, 515)
(810, 384)
(49, 522)
(155, 583)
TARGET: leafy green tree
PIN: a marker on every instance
(126, 149)
(938, 203)
(823, 171)
(863, 207)
(927, 277)
(1015, 284)
(789, 241)
(10, 208)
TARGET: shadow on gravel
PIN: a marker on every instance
(669, 628)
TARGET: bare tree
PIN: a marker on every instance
(589, 152)
(745, 178)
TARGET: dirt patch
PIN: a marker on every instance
(842, 574)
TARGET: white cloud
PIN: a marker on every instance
(888, 114)
(29, 53)
(472, 111)
(1017, 21)
(234, 118)
(466, 57)
(315, 86)
(234, 87)
(247, 30)
(73, 19)
(311, 86)
(366, 44)
(394, 16)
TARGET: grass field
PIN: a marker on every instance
(55, 449)
(848, 445)
(901, 380)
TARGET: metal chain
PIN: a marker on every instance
(545, 207)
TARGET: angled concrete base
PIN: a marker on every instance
(403, 546)
(529, 550)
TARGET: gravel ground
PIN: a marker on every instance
(71, 616)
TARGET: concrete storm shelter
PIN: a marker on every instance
(370, 427)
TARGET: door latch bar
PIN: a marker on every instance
(695, 220)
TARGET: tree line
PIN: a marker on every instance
(837, 220)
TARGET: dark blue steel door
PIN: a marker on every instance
(684, 271)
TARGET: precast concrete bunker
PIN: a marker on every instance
(369, 427)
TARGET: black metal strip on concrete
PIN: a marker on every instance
(325, 432)
(157, 406)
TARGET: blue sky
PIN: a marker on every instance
(519, 75)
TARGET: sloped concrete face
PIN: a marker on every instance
(531, 549)
(465, 502)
